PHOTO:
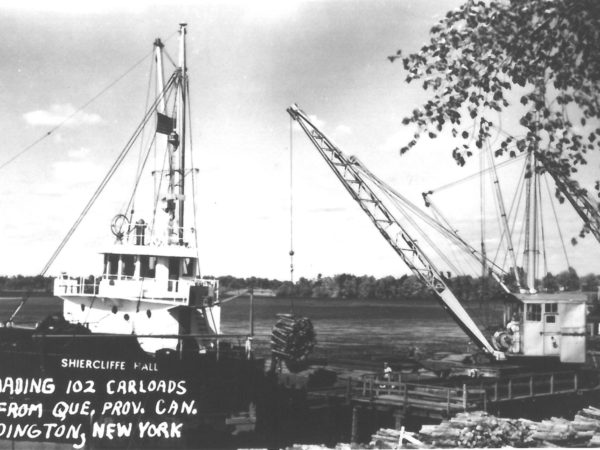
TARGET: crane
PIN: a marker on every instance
(356, 179)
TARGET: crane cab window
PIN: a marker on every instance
(534, 313)
(551, 311)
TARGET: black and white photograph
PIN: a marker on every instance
(302, 224)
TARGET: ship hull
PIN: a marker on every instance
(170, 399)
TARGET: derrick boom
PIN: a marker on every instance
(351, 174)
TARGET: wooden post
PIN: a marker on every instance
(509, 388)
(531, 386)
(252, 312)
(575, 382)
(496, 391)
(405, 396)
(464, 399)
(552, 383)
(398, 419)
(485, 400)
(348, 389)
(354, 431)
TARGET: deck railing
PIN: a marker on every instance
(147, 288)
(394, 390)
(158, 237)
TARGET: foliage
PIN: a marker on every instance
(536, 59)
(568, 280)
(590, 282)
(36, 283)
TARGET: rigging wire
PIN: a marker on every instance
(193, 172)
(96, 194)
(138, 177)
(432, 222)
(141, 158)
(408, 217)
(104, 181)
(542, 231)
(73, 114)
(477, 174)
(482, 219)
(562, 241)
(513, 212)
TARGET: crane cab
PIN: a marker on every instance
(545, 324)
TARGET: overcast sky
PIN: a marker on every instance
(248, 61)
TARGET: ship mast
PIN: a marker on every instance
(176, 151)
(180, 127)
(162, 107)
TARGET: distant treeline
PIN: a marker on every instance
(407, 287)
(36, 283)
(341, 286)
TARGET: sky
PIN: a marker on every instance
(247, 62)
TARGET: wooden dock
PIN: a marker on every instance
(401, 396)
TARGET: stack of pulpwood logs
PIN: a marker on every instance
(481, 430)
(292, 338)
(478, 429)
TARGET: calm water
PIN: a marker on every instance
(366, 332)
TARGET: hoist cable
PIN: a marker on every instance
(291, 253)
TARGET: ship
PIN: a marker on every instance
(137, 357)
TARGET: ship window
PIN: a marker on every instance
(147, 266)
(534, 313)
(188, 267)
(551, 307)
(112, 264)
(128, 269)
(174, 269)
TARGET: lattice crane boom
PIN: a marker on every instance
(349, 171)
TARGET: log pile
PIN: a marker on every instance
(478, 430)
(481, 430)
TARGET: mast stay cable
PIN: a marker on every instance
(96, 194)
(74, 113)
(106, 179)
